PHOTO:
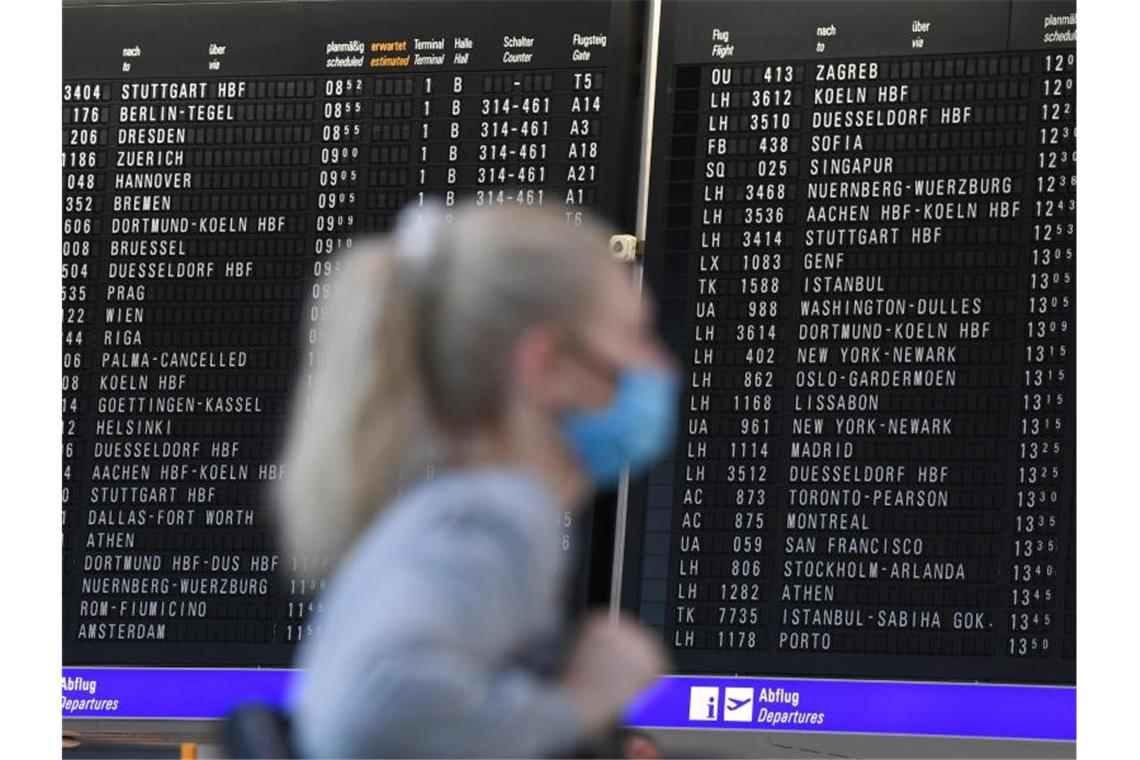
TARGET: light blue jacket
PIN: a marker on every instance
(429, 622)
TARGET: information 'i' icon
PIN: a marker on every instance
(703, 702)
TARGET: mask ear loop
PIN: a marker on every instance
(590, 359)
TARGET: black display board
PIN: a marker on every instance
(861, 235)
(216, 157)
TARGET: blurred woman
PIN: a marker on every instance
(509, 353)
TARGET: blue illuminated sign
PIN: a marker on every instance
(785, 704)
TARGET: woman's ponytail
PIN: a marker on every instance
(360, 424)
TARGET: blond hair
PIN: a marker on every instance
(415, 350)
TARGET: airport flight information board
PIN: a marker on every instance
(861, 235)
(216, 158)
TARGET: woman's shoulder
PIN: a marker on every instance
(489, 537)
(505, 496)
(503, 506)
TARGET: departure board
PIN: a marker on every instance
(862, 240)
(216, 159)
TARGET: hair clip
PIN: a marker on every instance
(418, 230)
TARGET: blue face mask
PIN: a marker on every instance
(634, 430)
